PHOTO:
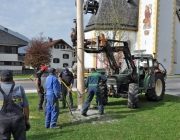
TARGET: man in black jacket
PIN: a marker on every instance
(67, 77)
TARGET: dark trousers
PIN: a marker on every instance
(45, 102)
(12, 126)
(65, 92)
(41, 99)
(73, 39)
(91, 92)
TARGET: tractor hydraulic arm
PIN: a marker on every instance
(104, 45)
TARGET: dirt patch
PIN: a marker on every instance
(92, 116)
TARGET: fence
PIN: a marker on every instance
(28, 71)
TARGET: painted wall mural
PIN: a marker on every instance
(147, 19)
(147, 24)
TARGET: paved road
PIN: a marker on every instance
(172, 86)
(29, 86)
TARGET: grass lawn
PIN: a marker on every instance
(22, 76)
(151, 121)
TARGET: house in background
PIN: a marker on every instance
(10, 41)
(63, 55)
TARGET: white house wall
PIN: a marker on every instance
(147, 26)
(131, 37)
(177, 47)
(13, 68)
(166, 34)
(58, 53)
(91, 60)
(156, 30)
(9, 57)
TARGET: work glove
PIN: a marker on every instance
(28, 126)
(86, 90)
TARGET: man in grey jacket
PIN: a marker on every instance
(14, 108)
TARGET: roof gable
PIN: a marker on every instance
(9, 37)
(50, 44)
(108, 9)
(178, 8)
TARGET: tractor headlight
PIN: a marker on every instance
(108, 86)
(115, 87)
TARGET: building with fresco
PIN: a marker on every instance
(153, 25)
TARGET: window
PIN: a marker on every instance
(150, 62)
(10, 63)
(8, 49)
(63, 46)
(66, 56)
(13, 50)
(1, 63)
(56, 46)
(74, 54)
(2, 49)
(65, 64)
(56, 60)
(17, 63)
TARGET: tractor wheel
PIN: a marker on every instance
(157, 93)
(104, 95)
(133, 96)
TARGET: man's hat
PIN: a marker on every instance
(66, 69)
(52, 70)
(6, 73)
(43, 68)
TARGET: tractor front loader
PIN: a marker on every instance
(138, 73)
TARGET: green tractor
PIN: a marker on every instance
(138, 73)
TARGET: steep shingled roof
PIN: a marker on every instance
(10, 37)
(50, 44)
(128, 12)
(178, 8)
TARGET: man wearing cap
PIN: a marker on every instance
(14, 108)
(39, 86)
(67, 77)
(53, 88)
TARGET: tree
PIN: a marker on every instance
(38, 53)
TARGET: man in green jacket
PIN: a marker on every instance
(92, 84)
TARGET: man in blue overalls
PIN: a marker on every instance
(53, 88)
(14, 108)
(92, 83)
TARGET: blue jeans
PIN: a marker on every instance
(91, 92)
(52, 112)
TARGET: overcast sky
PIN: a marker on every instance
(30, 17)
